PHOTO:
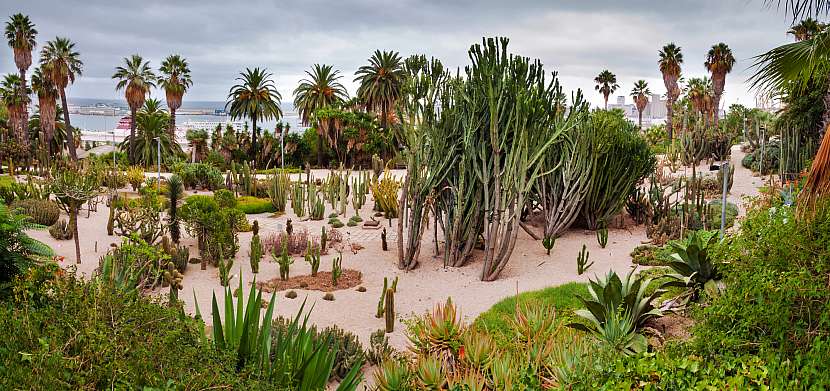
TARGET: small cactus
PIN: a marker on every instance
(602, 235)
(389, 310)
(582, 264)
(255, 227)
(284, 260)
(336, 268)
(323, 239)
(255, 252)
(312, 257)
(383, 244)
(288, 227)
(382, 300)
(328, 296)
(291, 295)
(548, 243)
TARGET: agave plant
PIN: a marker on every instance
(692, 264)
(439, 332)
(611, 293)
(619, 332)
(392, 375)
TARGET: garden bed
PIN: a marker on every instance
(321, 282)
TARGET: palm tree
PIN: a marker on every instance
(670, 60)
(15, 100)
(47, 96)
(256, 98)
(806, 29)
(640, 93)
(64, 63)
(21, 34)
(136, 78)
(700, 92)
(38, 132)
(380, 83)
(606, 84)
(321, 89)
(719, 62)
(175, 80)
(152, 133)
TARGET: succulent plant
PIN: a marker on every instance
(582, 261)
(328, 296)
(336, 268)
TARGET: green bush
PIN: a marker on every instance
(253, 205)
(651, 255)
(42, 212)
(71, 334)
(202, 175)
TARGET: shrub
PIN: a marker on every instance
(65, 325)
(17, 250)
(253, 205)
(348, 348)
(61, 230)
(651, 255)
(224, 198)
(199, 175)
(135, 176)
(41, 212)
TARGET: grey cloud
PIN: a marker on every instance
(576, 38)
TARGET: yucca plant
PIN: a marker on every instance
(693, 267)
(611, 295)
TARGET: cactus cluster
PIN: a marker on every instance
(385, 193)
(61, 230)
(382, 300)
(602, 235)
(174, 279)
(316, 208)
(278, 190)
(360, 187)
(298, 198)
(256, 251)
(377, 166)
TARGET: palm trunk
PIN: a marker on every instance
(172, 124)
(24, 137)
(132, 134)
(669, 119)
(640, 118)
(253, 141)
(825, 118)
(319, 148)
(73, 221)
(716, 109)
(70, 139)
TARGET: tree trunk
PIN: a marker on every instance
(73, 221)
(132, 134)
(669, 119)
(716, 110)
(825, 117)
(319, 148)
(24, 137)
(253, 142)
(70, 134)
(173, 124)
(640, 118)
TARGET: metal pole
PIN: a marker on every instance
(725, 179)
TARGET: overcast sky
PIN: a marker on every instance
(577, 38)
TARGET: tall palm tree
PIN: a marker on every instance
(719, 62)
(606, 84)
(21, 35)
(380, 83)
(320, 89)
(255, 98)
(64, 63)
(175, 79)
(47, 96)
(670, 60)
(700, 94)
(15, 100)
(806, 29)
(152, 133)
(37, 132)
(136, 78)
(640, 93)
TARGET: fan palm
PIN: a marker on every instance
(64, 63)
(802, 8)
(15, 100)
(21, 34)
(47, 96)
(152, 133)
(136, 78)
(806, 29)
(719, 62)
(175, 80)
(640, 93)
(380, 83)
(699, 92)
(37, 129)
(606, 84)
(319, 90)
(255, 98)
(670, 60)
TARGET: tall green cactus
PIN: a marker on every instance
(298, 198)
(312, 257)
(278, 190)
(359, 189)
(582, 264)
(336, 268)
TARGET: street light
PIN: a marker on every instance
(158, 156)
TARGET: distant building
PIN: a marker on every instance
(653, 114)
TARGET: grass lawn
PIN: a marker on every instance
(563, 298)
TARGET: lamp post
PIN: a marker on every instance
(158, 157)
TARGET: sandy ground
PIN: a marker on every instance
(418, 291)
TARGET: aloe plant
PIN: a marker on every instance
(611, 294)
(692, 264)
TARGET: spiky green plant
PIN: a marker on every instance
(175, 188)
(17, 250)
(298, 198)
(312, 257)
(283, 259)
(278, 190)
(336, 268)
(693, 266)
(602, 235)
(548, 242)
(255, 253)
(582, 260)
(613, 295)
